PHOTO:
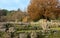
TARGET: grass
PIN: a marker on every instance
(55, 28)
(28, 31)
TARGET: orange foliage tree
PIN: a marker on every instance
(42, 9)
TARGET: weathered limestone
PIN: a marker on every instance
(33, 35)
(22, 35)
(2, 27)
(43, 23)
(11, 29)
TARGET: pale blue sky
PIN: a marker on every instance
(14, 4)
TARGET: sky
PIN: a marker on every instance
(14, 4)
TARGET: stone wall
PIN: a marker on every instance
(46, 24)
(12, 32)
